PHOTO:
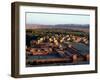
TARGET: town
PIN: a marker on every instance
(56, 46)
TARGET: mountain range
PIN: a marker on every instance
(82, 27)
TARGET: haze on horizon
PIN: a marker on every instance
(54, 19)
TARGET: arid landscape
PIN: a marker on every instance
(60, 44)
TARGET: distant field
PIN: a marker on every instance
(56, 31)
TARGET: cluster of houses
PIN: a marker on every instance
(58, 39)
(46, 45)
(57, 44)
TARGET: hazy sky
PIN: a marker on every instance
(52, 19)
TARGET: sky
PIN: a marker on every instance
(53, 19)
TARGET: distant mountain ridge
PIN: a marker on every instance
(82, 27)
